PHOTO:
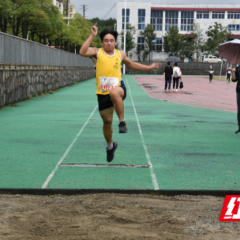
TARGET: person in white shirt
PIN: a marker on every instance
(229, 72)
(177, 74)
(210, 71)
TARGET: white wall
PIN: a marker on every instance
(204, 23)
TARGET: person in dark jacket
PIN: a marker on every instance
(168, 72)
(237, 73)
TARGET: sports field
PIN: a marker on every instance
(55, 141)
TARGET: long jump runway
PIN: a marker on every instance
(55, 141)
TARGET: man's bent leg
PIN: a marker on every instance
(107, 117)
(116, 95)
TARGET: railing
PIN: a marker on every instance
(194, 65)
(19, 51)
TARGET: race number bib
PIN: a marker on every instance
(211, 72)
(106, 84)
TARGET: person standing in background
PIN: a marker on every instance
(168, 72)
(190, 58)
(229, 72)
(237, 73)
(176, 76)
(210, 71)
(139, 57)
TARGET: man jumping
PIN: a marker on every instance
(111, 90)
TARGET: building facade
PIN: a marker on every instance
(72, 11)
(61, 4)
(163, 16)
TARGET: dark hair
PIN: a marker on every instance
(108, 31)
(168, 63)
(175, 64)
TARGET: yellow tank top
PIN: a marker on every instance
(108, 71)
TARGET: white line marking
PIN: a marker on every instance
(114, 119)
(103, 165)
(67, 151)
(154, 179)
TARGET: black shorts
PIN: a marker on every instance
(104, 101)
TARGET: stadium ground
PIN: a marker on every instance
(55, 141)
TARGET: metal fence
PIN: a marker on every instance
(193, 65)
(18, 51)
(201, 66)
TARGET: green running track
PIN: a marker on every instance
(184, 147)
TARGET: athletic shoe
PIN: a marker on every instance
(110, 153)
(238, 131)
(122, 127)
(176, 90)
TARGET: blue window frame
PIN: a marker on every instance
(157, 20)
(234, 27)
(171, 19)
(157, 44)
(218, 15)
(233, 15)
(141, 19)
(140, 44)
(187, 20)
(123, 17)
(202, 14)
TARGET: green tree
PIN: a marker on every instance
(174, 43)
(5, 9)
(195, 46)
(37, 16)
(46, 22)
(217, 34)
(41, 21)
(81, 30)
(130, 44)
(103, 24)
(149, 36)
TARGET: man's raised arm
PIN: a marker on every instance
(138, 66)
(86, 50)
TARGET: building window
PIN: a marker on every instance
(123, 17)
(71, 15)
(140, 44)
(141, 19)
(218, 15)
(233, 15)
(201, 14)
(234, 27)
(187, 20)
(156, 20)
(157, 45)
(171, 19)
(71, 9)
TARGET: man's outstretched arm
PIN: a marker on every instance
(86, 50)
(138, 66)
